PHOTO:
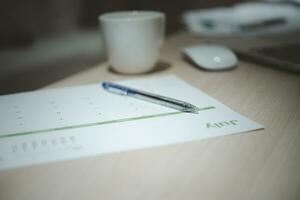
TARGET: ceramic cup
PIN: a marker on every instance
(133, 39)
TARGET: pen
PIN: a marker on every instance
(150, 97)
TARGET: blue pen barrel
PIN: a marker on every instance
(149, 97)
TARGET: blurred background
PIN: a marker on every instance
(45, 41)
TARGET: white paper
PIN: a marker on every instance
(68, 123)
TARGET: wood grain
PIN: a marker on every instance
(260, 165)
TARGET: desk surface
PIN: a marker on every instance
(259, 165)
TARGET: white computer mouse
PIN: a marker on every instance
(211, 57)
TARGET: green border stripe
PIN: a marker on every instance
(96, 123)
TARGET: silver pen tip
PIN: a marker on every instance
(191, 108)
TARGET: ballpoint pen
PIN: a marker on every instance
(150, 97)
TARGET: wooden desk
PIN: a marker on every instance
(259, 165)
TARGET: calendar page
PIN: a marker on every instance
(67, 123)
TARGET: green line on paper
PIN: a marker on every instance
(96, 123)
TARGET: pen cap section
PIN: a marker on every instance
(116, 89)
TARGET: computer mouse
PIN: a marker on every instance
(211, 57)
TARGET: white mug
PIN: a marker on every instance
(133, 39)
